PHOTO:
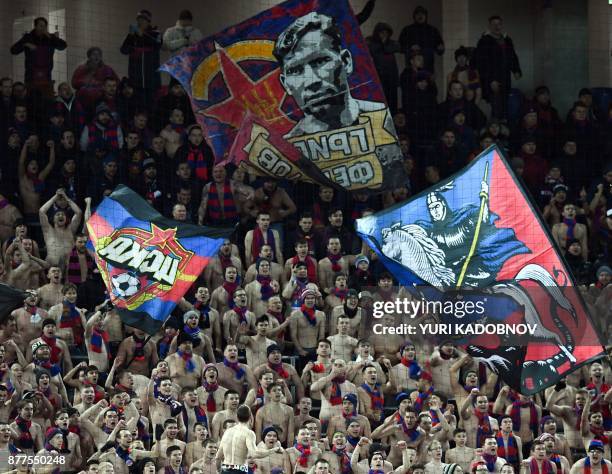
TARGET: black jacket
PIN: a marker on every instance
(144, 58)
(495, 60)
(38, 63)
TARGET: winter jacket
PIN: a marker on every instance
(495, 60)
(383, 55)
(425, 36)
(143, 54)
(176, 38)
(38, 63)
(88, 83)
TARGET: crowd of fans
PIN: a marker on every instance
(280, 319)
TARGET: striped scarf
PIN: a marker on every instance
(71, 318)
(343, 459)
(484, 427)
(56, 352)
(200, 416)
(414, 369)
(309, 314)
(99, 339)
(221, 212)
(230, 287)
(211, 404)
(377, 401)
(304, 454)
(335, 397)
(74, 267)
(258, 241)
(412, 433)
(587, 466)
(509, 453)
(107, 134)
(515, 414)
(197, 161)
(435, 420)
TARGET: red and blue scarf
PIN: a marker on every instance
(484, 427)
(414, 369)
(188, 358)
(377, 401)
(98, 340)
(515, 414)
(266, 290)
(309, 314)
(71, 318)
(304, 454)
(211, 404)
(258, 242)
(221, 212)
(509, 453)
(204, 310)
(235, 366)
(343, 459)
(335, 397)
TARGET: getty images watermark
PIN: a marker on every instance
(443, 314)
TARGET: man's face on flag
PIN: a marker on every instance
(315, 74)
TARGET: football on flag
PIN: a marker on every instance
(125, 284)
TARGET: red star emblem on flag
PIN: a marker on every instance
(262, 98)
(160, 237)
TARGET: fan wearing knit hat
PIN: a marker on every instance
(185, 365)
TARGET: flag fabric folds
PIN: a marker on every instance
(302, 68)
(477, 234)
(10, 299)
(148, 262)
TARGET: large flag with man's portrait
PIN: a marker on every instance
(475, 237)
(298, 75)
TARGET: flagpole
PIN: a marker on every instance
(483, 202)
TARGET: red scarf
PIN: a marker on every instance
(99, 394)
(578, 413)
(515, 414)
(304, 454)
(279, 369)
(598, 433)
(509, 453)
(335, 262)
(266, 289)
(211, 404)
(225, 261)
(546, 467)
(258, 242)
(310, 315)
(310, 267)
(335, 397)
(241, 313)
(25, 440)
(56, 352)
(484, 427)
(318, 368)
(71, 318)
(230, 288)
